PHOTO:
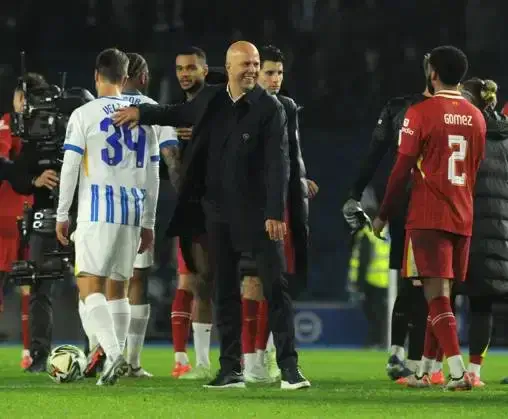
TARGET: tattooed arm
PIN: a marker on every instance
(171, 156)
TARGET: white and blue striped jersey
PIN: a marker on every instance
(165, 134)
(117, 167)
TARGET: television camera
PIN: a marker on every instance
(42, 127)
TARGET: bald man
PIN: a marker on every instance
(234, 188)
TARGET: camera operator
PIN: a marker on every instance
(41, 311)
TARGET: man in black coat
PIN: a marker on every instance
(258, 351)
(234, 187)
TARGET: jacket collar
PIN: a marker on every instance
(251, 96)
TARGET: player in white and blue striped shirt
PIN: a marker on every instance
(138, 286)
(118, 174)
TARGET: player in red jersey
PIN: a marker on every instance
(442, 143)
(12, 208)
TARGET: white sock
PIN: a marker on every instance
(260, 358)
(399, 352)
(140, 315)
(413, 365)
(436, 367)
(456, 366)
(425, 366)
(475, 369)
(249, 362)
(182, 358)
(202, 333)
(121, 313)
(270, 346)
(101, 324)
(92, 339)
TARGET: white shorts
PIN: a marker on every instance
(144, 260)
(106, 250)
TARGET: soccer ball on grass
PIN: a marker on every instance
(66, 363)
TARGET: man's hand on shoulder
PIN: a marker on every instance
(127, 116)
(48, 179)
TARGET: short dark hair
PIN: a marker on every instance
(198, 52)
(137, 65)
(32, 80)
(271, 53)
(112, 64)
(450, 63)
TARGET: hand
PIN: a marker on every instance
(276, 229)
(184, 133)
(146, 240)
(378, 226)
(350, 211)
(128, 116)
(62, 232)
(48, 179)
(313, 188)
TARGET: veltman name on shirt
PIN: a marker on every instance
(111, 108)
(454, 119)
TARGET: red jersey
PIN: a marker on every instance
(505, 109)
(12, 204)
(446, 134)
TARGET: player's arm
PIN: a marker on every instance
(382, 140)
(152, 186)
(74, 147)
(276, 171)
(410, 149)
(171, 154)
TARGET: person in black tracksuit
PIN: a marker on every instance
(410, 309)
(487, 278)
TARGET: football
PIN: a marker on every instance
(66, 363)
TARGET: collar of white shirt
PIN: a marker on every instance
(231, 96)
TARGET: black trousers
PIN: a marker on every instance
(224, 263)
(41, 308)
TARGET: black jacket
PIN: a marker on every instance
(20, 181)
(488, 260)
(384, 139)
(298, 202)
(257, 186)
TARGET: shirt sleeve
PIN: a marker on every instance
(167, 136)
(74, 137)
(74, 147)
(152, 183)
(410, 140)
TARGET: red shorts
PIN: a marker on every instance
(435, 254)
(182, 268)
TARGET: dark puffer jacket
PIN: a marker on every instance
(488, 263)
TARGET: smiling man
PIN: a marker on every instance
(234, 188)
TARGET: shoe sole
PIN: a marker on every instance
(232, 385)
(284, 385)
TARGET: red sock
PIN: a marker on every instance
(431, 344)
(180, 319)
(444, 325)
(249, 325)
(439, 355)
(263, 330)
(25, 320)
(476, 359)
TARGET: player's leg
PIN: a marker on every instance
(181, 310)
(418, 322)
(449, 261)
(140, 315)
(480, 329)
(94, 264)
(118, 302)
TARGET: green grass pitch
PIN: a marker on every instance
(345, 384)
